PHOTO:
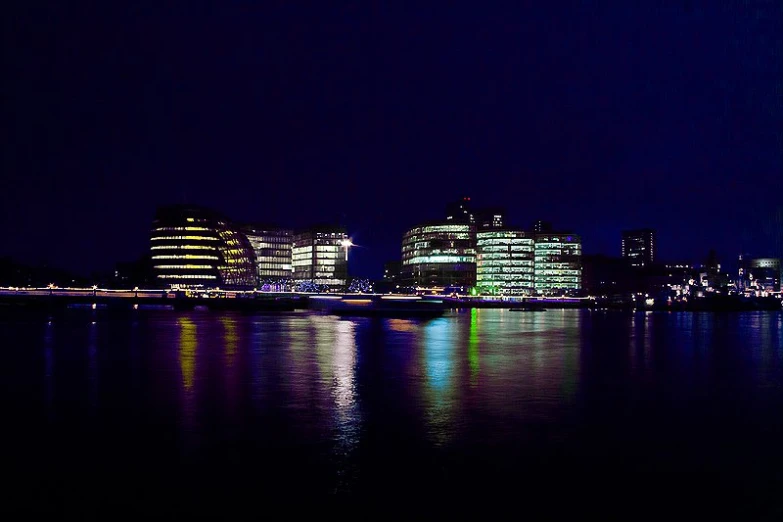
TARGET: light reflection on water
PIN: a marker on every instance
(336, 393)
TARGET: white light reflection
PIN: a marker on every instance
(344, 364)
(344, 392)
(92, 365)
(49, 368)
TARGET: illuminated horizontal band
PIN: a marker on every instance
(184, 267)
(188, 238)
(183, 247)
(182, 229)
(185, 276)
(185, 256)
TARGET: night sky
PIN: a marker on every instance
(597, 116)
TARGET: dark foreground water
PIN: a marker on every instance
(555, 413)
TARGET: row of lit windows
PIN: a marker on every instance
(513, 257)
(429, 236)
(540, 267)
(505, 270)
(549, 246)
(556, 239)
(492, 234)
(418, 260)
(501, 248)
(180, 229)
(504, 242)
(186, 276)
(184, 267)
(184, 238)
(183, 247)
(268, 239)
(430, 229)
(185, 256)
(504, 277)
(452, 249)
(272, 263)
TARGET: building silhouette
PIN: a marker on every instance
(638, 247)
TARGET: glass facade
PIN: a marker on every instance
(439, 255)
(504, 263)
(194, 247)
(319, 256)
(558, 263)
(273, 250)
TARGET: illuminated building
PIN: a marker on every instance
(272, 247)
(504, 262)
(638, 247)
(439, 255)
(195, 247)
(320, 256)
(765, 274)
(558, 263)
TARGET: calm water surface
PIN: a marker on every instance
(563, 411)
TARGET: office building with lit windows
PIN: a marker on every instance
(273, 249)
(439, 255)
(765, 273)
(504, 262)
(638, 247)
(193, 247)
(320, 256)
(558, 263)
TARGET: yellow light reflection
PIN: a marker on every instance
(230, 339)
(187, 351)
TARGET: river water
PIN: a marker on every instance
(553, 413)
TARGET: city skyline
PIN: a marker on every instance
(376, 272)
(598, 118)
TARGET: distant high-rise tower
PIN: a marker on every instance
(542, 226)
(638, 246)
(489, 217)
(460, 211)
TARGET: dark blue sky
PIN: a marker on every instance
(597, 116)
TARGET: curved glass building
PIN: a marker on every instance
(505, 262)
(439, 255)
(195, 247)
